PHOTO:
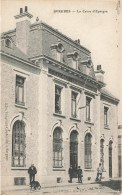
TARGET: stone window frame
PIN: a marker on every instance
(24, 75)
(57, 148)
(106, 116)
(88, 105)
(75, 57)
(102, 143)
(59, 48)
(18, 148)
(20, 85)
(74, 100)
(88, 161)
(58, 95)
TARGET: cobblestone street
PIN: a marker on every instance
(107, 187)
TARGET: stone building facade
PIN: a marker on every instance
(56, 111)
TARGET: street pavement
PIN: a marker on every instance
(103, 188)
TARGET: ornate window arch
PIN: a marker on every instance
(88, 151)
(18, 144)
(57, 147)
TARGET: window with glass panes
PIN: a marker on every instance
(20, 90)
(102, 152)
(88, 151)
(57, 148)
(88, 101)
(18, 144)
(74, 104)
(58, 99)
(106, 115)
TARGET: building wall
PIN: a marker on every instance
(12, 112)
(40, 117)
(120, 150)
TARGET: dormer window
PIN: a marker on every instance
(73, 59)
(8, 43)
(57, 51)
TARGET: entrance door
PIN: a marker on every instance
(110, 159)
(74, 152)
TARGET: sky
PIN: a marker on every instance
(95, 22)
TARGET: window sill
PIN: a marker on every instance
(89, 170)
(20, 106)
(58, 169)
(60, 115)
(106, 127)
(75, 119)
(89, 122)
(19, 168)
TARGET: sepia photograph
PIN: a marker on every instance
(61, 97)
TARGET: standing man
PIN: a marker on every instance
(99, 172)
(70, 174)
(32, 171)
(79, 173)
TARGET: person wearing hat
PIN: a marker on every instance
(32, 171)
(79, 174)
(70, 174)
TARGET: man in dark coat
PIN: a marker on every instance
(79, 174)
(70, 174)
(32, 171)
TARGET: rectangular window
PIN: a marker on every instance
(106, 116)
(88, 101)
(74, 105)
(58, 99)
(20, 90)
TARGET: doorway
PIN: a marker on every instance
(74, 152)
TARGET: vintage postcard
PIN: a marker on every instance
(61, 121)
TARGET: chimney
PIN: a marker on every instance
(77, 41)
(21, 10)
(22, 29)
(99, 73)
(26, 9)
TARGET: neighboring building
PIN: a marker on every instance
(120, 150)
(56, 111)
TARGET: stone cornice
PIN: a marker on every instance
(68, 69)
(19, 59)
(109, 98)
(25, 14)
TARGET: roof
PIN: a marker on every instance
(51, 28)
(105, 92)
(14, 51)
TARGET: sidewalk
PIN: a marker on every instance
(58, 185)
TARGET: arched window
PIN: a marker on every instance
(110, 158)
(57, 148)
(102, 152)
(18, 144)
(88, 151)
